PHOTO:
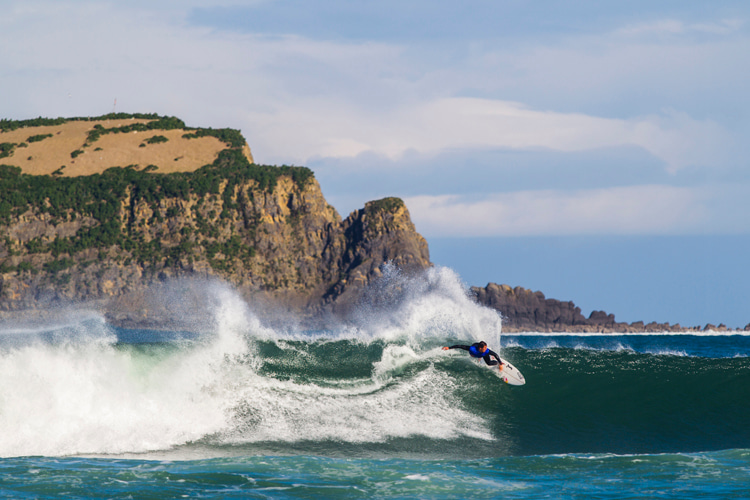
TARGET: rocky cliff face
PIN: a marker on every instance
(287, 245)
(115, 237)
(381, 232)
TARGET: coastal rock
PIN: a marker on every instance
(525, 310)
(381, 232)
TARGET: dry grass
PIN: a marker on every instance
(111, 150)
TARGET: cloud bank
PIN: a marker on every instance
(665, 86)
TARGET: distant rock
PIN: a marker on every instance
(525, 310)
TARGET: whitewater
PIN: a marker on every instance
(249, 404)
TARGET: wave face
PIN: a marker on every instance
(378, 385)
(624, 401)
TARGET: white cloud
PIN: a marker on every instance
(651, 209)
(677, 27)
(441, 124)
(296, 98)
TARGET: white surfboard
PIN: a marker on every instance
(509, 374)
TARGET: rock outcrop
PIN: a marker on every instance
(523, 310)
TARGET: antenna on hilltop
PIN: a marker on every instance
(114, 106)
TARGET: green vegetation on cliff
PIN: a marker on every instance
(6, 148)
(108, 201)
(156, 139)
(162, 123)
(231, 137)
(390, 204)
(38, 137)
(9, 125)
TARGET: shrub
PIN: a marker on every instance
(9, 125)
(25, 266)
(9, 171)
(37, 138)
(35, 245)
(231, 137)
(157, 139)
(6, 149)
(58, 265)
(385, 204)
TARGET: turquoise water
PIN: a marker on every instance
(369, 408)
(720, 475)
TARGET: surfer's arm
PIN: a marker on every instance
(493, 353)
(464, 347)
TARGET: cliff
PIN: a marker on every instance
(110, 211)
(112, 235)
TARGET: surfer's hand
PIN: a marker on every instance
(446, 348)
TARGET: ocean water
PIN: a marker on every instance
(240, 407)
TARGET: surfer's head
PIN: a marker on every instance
(482, 346)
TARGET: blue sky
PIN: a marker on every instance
(610, 134)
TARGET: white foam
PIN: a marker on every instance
(394, 360)
(97, 399)
(668, 352)
(76, 395)
(276, 410)
(616, 347)
(432, 306)
(418, 477)
(51, 322)
(80, 393)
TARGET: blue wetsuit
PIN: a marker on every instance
(476, 353)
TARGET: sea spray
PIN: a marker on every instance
(423, 308)
(318, 386)
(78, 391)
(90, 394)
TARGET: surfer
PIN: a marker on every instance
(480, 350)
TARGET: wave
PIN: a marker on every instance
(378, 384)
(78, 390)
(726, 346)
(629, 402)
(696, 333)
